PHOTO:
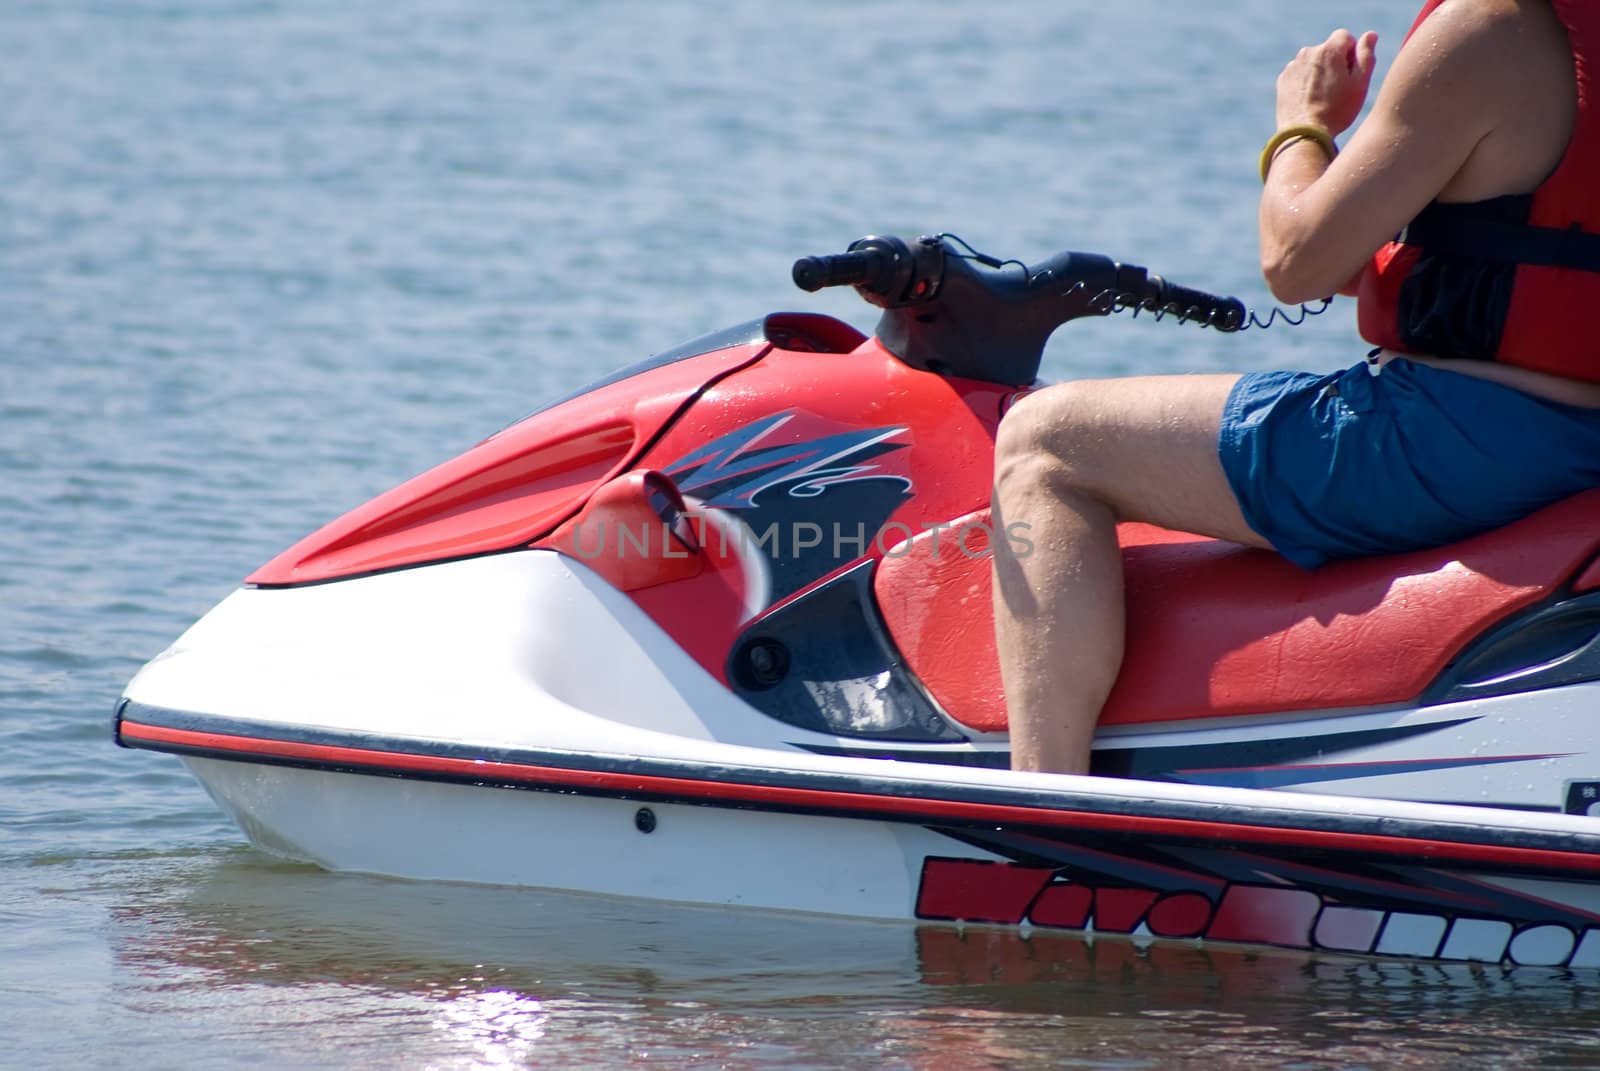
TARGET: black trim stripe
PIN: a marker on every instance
(777, 789)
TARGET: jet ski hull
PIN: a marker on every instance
(898, 841)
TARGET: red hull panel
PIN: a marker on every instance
(510, 489)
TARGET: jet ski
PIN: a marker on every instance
(717, 629)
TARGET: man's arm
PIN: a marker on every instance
(1320, 220)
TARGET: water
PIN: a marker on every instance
(261, 259)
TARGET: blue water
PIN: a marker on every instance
(261, 259)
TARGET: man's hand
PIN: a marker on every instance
(1325, 85)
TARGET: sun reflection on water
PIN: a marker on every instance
(498, 1026)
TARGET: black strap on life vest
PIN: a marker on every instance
(1463, 230)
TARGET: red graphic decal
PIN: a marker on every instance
(1063, 905)
(1180, 915)
(968, 891)
(973, 891)
(1268, 916)
(1119, 910)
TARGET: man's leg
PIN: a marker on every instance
(1070, 462)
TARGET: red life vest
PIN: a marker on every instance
(1467, 281)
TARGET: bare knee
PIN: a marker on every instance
(1048, 436)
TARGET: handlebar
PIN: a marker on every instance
(861, 268)
(952, 311)
(1193, 306)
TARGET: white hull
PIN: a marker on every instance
(721, 857)
(693, 854)
(441, 723)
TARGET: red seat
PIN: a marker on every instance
(1216, 629)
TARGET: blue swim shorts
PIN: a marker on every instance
(1351, 463)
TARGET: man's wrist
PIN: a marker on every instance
(1288, 135)
(1304, 117)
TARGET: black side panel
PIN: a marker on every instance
(1554, 644)
(824, 662)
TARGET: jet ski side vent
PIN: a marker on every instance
(1550, 645)
(824, 662)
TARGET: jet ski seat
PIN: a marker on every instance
(1215, 629)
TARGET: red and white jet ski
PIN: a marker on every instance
(717, 629)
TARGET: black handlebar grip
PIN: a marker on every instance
(840, 269)
(1196, 306)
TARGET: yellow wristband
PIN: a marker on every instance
(1290, 133)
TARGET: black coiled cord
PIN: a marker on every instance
(1288, 317)
(1114, 302)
